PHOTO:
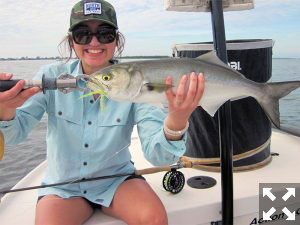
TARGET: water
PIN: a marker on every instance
(21, 159)
(288, 69)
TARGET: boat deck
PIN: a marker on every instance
(190, 206)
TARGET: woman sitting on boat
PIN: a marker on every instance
(84, 142)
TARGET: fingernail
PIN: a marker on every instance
(21, 82)
(169, 78)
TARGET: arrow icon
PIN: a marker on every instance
(291, 216)
(267, 192)
(290, 192)
(267, 216)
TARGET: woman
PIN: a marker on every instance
(84, 142)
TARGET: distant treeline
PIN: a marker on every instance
(145, 57)
(59, 58)
(31, 58)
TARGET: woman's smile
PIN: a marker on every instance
(94, 52)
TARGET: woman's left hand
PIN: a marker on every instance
(183, 103)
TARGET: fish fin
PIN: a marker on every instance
(211, 109)
(212, 58)
(270, 103)
(157, 86)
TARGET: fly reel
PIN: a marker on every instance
(173, 181)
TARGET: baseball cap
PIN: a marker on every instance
(87, 10)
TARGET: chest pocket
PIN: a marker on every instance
(115, 114)
(68, 107)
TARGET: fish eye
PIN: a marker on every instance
(106, 77)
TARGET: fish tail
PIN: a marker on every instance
(270, 102)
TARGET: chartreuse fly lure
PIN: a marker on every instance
(102, 100)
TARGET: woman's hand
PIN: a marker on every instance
(13, 98)
(183, 103)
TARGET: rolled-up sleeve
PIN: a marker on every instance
(27, 117)
(157, 149)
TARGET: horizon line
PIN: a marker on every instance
(123, 57)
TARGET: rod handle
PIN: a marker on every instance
(152, 170)
(6, 85)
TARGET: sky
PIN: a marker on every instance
(35, 27)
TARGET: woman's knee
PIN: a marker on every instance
(54, 210)
(136, 203)
(154, 218)
(154, 215)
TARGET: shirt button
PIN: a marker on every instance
(91, 101)
(118, 120)
(59, 113)
(85, 163)
(84, 192)
(86, 145)
(89, 123)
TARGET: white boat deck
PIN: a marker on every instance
(191, 206)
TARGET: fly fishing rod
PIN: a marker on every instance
(173, 180)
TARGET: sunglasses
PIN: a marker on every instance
(104, 35)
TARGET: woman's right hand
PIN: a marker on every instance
(15, 97)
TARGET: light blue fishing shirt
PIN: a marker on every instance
(83, 142)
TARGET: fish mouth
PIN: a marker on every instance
(106, 87)
(101, 85)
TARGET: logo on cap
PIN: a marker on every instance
(92, 8)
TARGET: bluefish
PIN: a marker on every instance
(144, 82)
